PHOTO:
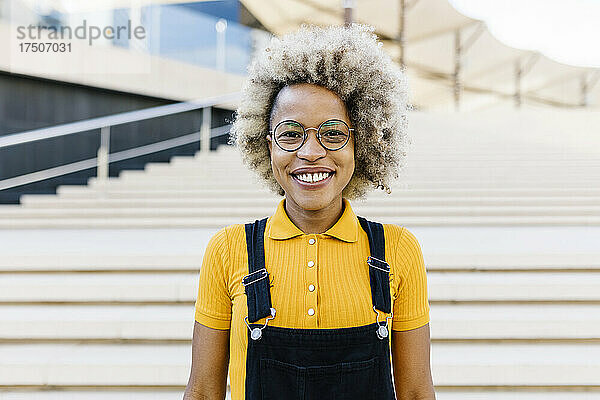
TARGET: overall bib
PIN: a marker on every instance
(316, 364)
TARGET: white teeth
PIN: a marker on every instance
(319, 176)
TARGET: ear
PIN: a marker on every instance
(270, 143)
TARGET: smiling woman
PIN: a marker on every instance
(300, 305)
(351, 64)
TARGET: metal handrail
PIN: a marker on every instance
(114, 157)
(112, 120)
(104, 158)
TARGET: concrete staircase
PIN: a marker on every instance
(97, 284)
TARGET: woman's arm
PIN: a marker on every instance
(412, 372)
(210, 359)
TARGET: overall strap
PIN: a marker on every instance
(256, 283)
(379, 269)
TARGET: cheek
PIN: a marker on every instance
(349, 160)
(278, 163)
(350, 165)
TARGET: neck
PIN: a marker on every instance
(314, 221)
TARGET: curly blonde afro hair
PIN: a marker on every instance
(350, 62)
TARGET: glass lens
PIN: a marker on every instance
(289, 135)
(334, 134)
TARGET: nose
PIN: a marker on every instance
(312, 149)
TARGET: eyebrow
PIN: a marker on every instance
(331, 121)
(291, 122)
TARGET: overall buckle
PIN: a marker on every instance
(256, 333)
(382, 330)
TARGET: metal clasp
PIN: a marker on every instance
(256, 333)
(262, 274)
(382, 330)
(383, 266)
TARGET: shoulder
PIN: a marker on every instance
(402, 247)
(231, 238)
(393, 232)
(222, 240)
(399, 234)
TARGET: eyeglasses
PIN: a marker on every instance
(332, 134)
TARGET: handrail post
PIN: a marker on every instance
(103, 152)
(205, 129)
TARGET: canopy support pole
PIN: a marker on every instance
(588, 81)
(460, 49)
(401, 31)
(584, 91)
(348, 12)
(520, 71)
(518, 76)
(457, 69)
(405, 6)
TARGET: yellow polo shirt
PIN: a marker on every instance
(329, 277)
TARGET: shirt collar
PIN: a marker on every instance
(346, 227)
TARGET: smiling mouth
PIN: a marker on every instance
(313, 178)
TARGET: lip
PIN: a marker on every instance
(311, 170)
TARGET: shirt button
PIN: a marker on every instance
(311, 241)
(311, 263)
(311, 288)
(311, 312)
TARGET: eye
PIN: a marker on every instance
(334, 136)
(290, 134)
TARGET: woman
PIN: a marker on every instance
(303, 305)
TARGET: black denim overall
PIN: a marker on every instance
(323, 364)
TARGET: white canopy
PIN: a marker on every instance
(439, 43)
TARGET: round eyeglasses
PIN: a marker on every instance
(290, 135)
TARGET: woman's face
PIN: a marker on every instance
(311, 105)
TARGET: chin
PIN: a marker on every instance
(312, 202)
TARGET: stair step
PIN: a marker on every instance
(515, 321)
(267, 201)
(131, 322)
(542, 182)
(516, 394)
(454, 364)
(100, 262)
(94, 364)
(474, 173)
(514, 286)
(382, 211)
(169, 262)
(175, 322)
(480, 364)
(261, 192)
(92, 394)
(91, 287)
(182, 286)
(219, 222)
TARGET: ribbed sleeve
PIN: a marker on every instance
(213, 304)
(411, 306)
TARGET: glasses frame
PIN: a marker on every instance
(272, 133)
